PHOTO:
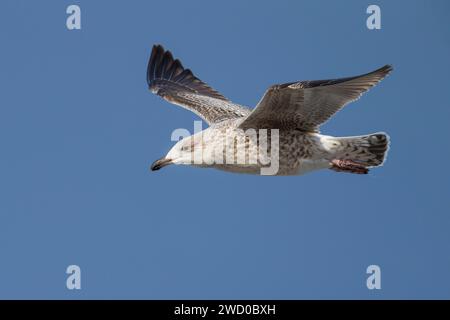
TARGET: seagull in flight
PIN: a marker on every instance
(288, 115)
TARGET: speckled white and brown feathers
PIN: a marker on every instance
(296, 109)
(167, 78)
(305, 105)
(369, 150)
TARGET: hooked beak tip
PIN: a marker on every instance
(158, 164)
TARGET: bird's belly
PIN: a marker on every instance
(239, 169)
(307, 166)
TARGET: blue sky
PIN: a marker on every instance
(79, 129)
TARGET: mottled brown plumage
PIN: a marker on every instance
(293, 110)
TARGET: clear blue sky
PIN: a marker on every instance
(79, 129)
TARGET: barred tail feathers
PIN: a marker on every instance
(357, 154)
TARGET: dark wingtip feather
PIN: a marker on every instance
(156, 51)
(386, 69)
(163, 67)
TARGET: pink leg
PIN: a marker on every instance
(348, 166)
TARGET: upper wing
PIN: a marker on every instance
(307, 104)
(167, 78)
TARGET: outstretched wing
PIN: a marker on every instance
(306, 105)
(167, 78)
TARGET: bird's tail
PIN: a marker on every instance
(357, 154)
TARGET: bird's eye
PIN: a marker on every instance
(185, 148)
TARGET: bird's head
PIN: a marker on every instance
(187, 151)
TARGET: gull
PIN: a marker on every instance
(290, 113)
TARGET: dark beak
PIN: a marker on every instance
(158, 164)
